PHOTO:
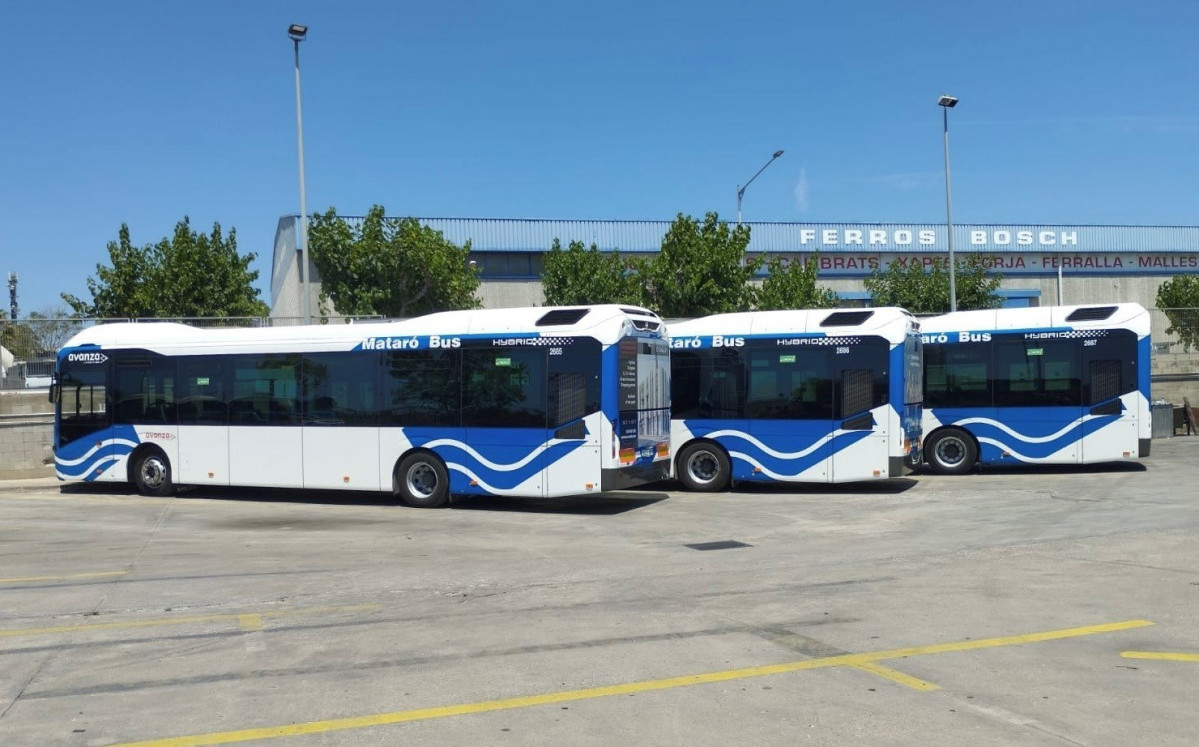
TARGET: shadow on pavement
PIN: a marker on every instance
(879, 487)
(1044, 469)
(600, 504)
(604, 504)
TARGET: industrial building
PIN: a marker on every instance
(1041, 264)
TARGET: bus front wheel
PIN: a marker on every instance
(951, 452)
(152, 474)
(422, 481)
(703, 467)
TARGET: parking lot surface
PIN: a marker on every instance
(1035, 606)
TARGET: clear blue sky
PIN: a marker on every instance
(1071, 111)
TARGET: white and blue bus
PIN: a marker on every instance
(795, 396)
(537, 402)
(1050, 385)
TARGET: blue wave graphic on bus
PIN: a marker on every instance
(496, 467)
(1052, 431)
(784, 457)
(88, 457)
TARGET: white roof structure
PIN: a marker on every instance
(795, 322)
(1131, 316)
(605, 322)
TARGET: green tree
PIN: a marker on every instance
(1178, 297)
(701, 269)
(189, 274)
(922, 291)
(793, 286)
(18, 338)
(51, 328)
(582, 275)
(390, 266)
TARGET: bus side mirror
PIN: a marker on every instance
(53, 393)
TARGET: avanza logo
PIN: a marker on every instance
(86, 357)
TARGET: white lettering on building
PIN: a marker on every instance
(928, 237)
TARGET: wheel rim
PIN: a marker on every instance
(153, 472)
(422, 479)
(702, 467)
(951, 451)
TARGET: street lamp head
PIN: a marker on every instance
(297, 32)
(947, 101)
(777, 153)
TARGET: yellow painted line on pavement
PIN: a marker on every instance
(897, 676)
(249, 623)
(33, 579)
(630, 688)
(187, 620)
(1159, 655)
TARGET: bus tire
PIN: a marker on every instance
(703, 466)
(951, 451)
(422, 481)
(152, 473)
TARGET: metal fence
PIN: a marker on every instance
(28, 346)
(1175, 331)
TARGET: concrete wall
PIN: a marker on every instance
(25, 402)
(25, 448)
(26, 435)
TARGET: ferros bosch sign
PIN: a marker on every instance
(858, 252)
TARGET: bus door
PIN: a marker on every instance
(504, 414)
(341, 421)
(84, 447)
(1109, 371)
(572, 460)
(860, 384)
(143, 409)
(202, 410)
(1038, 402)
(789, 407)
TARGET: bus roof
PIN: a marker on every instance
(607, 323)
(1131, 316)
(888, 322)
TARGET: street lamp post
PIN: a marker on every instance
(946, 103)
(741, 189)
(297, 34)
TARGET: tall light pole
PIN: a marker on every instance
(741, 189)
(946, 103)
(297, 34)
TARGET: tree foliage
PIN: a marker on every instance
(18, 338)
(701, 269)
(189, 274)
(793, 286)
(922, 291)
(1178, 297)
(40, 334)
(585, 275)
(390, 266)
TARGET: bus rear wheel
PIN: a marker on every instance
(152, 474)
(951, 452)
(422, 481)
(703, 467)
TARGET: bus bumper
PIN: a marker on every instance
(622, 478)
